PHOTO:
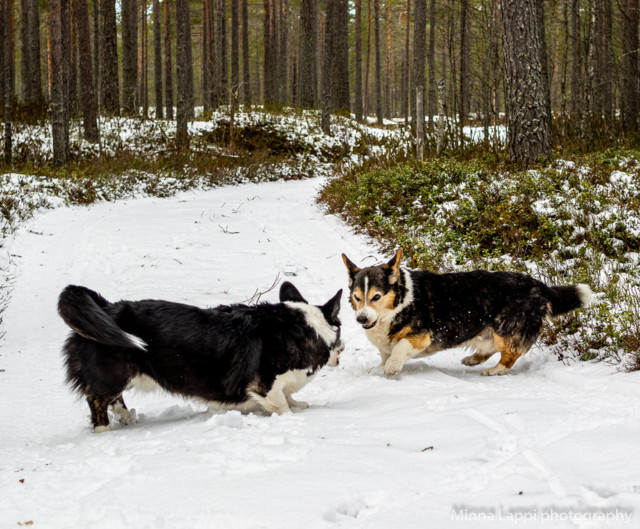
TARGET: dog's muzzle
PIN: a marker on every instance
(367, 317)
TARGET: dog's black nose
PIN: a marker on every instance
(361, 318)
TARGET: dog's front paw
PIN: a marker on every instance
(497, 370)
(393, 367)
(298, 404)
(471, 360)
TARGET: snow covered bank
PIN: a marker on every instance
(440, 446)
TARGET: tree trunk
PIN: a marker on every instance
(405, 66)
(109, 85)
(130, 99)
(528, 131)
(419, 44)
(95, 14)
(387, 63)
(630, 79)
(246, 70)
(576, 66)
(327, 59)
(367, 98)
(358, 108)
(307, 56)
(340, 56)
(378, 72)
(283, 51)
(544, 61)
(168, 62)
(157, 59)
(87, 92)
(73, 65)
(431, 59)
(30, 72)
(6, 76)
(183, 71)
(143, 61)
(58, 88)
(465, 61)
(235, 50)
(221, 74)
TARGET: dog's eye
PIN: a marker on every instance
(376, 297)
(356, 297)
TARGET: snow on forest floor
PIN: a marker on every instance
(439, 446)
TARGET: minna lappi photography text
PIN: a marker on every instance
(604, 516)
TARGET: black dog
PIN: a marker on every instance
(413, 313)
(236, 356)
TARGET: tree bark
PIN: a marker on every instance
(528, 131)
(575, 104)
(130, 99)
(465, 61)
(357, 105)
(58, 117)
(157, 59)
(431, 59)
(419, 43)
(6, 77)
(30, 36)
(378, 72)
(327, 59)
(183, 71)
(630, 79)
(109, 84)
(307, 55)
(340, 56)
(235, 49)
(87, 92)
(168, 62)
(246, 70)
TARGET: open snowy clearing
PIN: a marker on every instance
(439, 446)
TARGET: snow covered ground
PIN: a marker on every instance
(439, 446)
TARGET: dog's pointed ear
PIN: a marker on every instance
(331, 308)
(394, 264)
(352, 268)
(290, 293)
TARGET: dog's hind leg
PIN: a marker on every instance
(510, 348)
(99, 412)
(120, 408)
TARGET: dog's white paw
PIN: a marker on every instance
(392, 367)
(497, 370)
(298, 404)
(127, 417)
(472, 360)
(100, 429)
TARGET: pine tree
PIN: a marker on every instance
(528, 131)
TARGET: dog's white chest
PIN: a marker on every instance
(293, 380)
(379, 336)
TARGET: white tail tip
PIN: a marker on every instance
(585, 294)
(137, 342)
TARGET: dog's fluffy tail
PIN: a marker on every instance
(82, 310)
(570, 298)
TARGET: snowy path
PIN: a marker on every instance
(438, 447)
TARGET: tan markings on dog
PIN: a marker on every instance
(385, 302)
(357, 299)
(510, 349)
(418, 341)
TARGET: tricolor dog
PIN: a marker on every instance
(414, 313)
(236, 356)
